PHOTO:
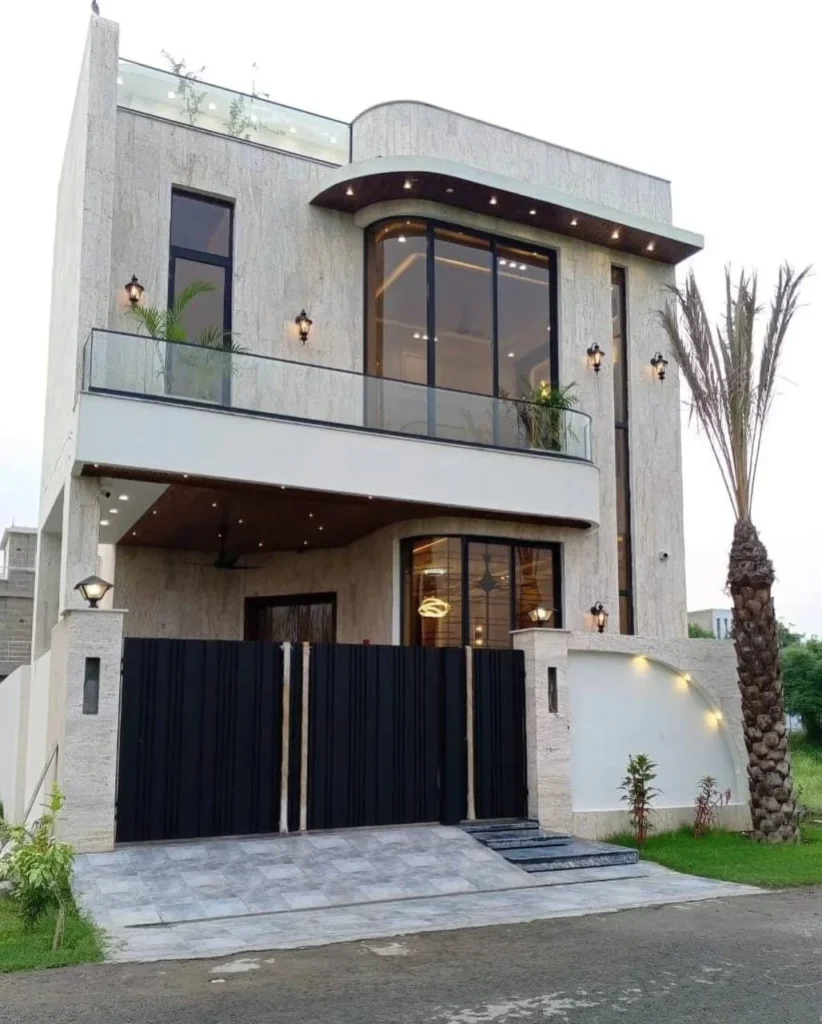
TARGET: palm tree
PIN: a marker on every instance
(731, 397)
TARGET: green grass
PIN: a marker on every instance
(31, 951)
(734, 858)
(807, 772)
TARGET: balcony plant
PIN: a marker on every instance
(541, 415)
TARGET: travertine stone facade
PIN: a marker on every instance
(18, 552)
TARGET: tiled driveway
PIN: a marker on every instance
(229, 895)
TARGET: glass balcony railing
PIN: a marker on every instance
(132, 364)
(253, 118)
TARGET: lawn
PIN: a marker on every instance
(807, 771)
(31, 951)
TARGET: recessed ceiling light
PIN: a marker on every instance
(219, 534)
(305, 542)
(349, 191)
(574, 222)
(154, 512)
(493, 200)
(133, 533)
(503, 263)
(522, 266)
(370, 497)
(510, 355)
(615, 234)
(104, 522)
(96, 465)
(449, 190)
(122, 497)
(260, 544)
(416, 335)
(282, 487)
(171, 95)
(650, 246)
(407, 183)
(240, 521)
(185, 476)
(214, 504)
(119, 81)
(310, 515)
(533, 213)
(112, 511)
(319, 527)
(402, 239)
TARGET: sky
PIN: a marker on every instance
(721, 98)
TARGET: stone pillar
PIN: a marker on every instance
(81, 531)
(88, 738)
(547, 733)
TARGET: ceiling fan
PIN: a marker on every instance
(226, 559)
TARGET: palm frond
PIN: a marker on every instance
(730, 399)
(151, 319)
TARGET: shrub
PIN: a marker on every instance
(708, 801)
(39, 867)
(638, 794)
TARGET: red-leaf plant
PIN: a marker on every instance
(708, 801)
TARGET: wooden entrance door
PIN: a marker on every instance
(298, 618)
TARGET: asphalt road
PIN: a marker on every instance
(748, 959)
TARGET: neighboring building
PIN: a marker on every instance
(18, 550)
(377, 473)
(718, 620)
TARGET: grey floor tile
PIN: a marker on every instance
(224, 908)
(133, 916)
(281, 872)
(353, 865)
(171, 913)
(301, 900)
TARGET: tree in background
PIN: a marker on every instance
(732, 390)
(802, 674)
(697, 632)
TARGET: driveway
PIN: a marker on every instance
(207, 898)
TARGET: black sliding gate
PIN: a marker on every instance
(201, 737)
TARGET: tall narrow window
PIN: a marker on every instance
(201, 239)
(623, 465)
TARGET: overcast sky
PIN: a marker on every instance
(721, 97)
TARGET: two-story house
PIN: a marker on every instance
(411, 395)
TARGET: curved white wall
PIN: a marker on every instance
(623, 704)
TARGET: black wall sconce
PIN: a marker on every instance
(134, 290)
(540, 615)
(600, 616)
(595, 354)
(93, 589)
(303, 322)
(659, 363)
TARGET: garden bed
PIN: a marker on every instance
(22, 950)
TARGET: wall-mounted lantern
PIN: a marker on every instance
(540, 615)
(134, 290)
(595, 354)
(659, 363)
(303, 322)
(600, 616)
(93, 589)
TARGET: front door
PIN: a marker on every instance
(298, 618)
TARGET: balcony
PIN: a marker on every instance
(249, 117)
(208, 412)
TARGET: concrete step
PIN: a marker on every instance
(506, 825)
(573, 854)
(596, 860)
(524, 842)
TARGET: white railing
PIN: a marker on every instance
(15, 650)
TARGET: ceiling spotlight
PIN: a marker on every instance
(154, 512)
(407, 184)
(574, 222)
(319, 527)
(240, 521)
(112, 511)
(349, 191)
(449, 190)
(305, 542)
(122, 497)
(185, 476)
(522, 266)
(104, 522)
(212, 106)
(402, 239)
(510, 355)
(310, 515)
(133, 533)
(493, 200)
(260, 544)
(416, 335)
(503, 263)
(214, 504)
(650, 246)
(119, 81)
(171, 94)
(533, 213)
(615, 234)
(282, 487)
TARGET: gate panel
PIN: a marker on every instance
(500, 787)
(381, 720)
(200, 739)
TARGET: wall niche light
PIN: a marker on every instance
(303, 322)
(600, 616)
(134, 290)
(659, 363)
(595, 354)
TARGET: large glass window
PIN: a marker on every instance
(623, 486)
(200, 252)
(466, 590)
(459, 310)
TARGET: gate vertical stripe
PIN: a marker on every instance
(469, 732)
(286, 751)
(304, 742)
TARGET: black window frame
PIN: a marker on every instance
(406, 570)
(622, 431)
(495, 240)
(176, 252)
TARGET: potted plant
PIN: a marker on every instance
(541, 415)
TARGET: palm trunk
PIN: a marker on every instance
(750, 578)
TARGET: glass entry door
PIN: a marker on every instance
(298, 618)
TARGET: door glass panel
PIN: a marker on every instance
(200, 224)
(192, 372)
(489, 594)
(300, 621)
(535, 593)
(524, 320)
(464, 312)
(433, 612)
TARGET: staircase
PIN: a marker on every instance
(531, 848)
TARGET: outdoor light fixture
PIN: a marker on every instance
(134, 290)
(303, 322)
(93, 589)
(540, 614)
(659, 362)
(595, 354)
(600, 616)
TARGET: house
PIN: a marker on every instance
(18, 546)
(718, 621)
(366, 567)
